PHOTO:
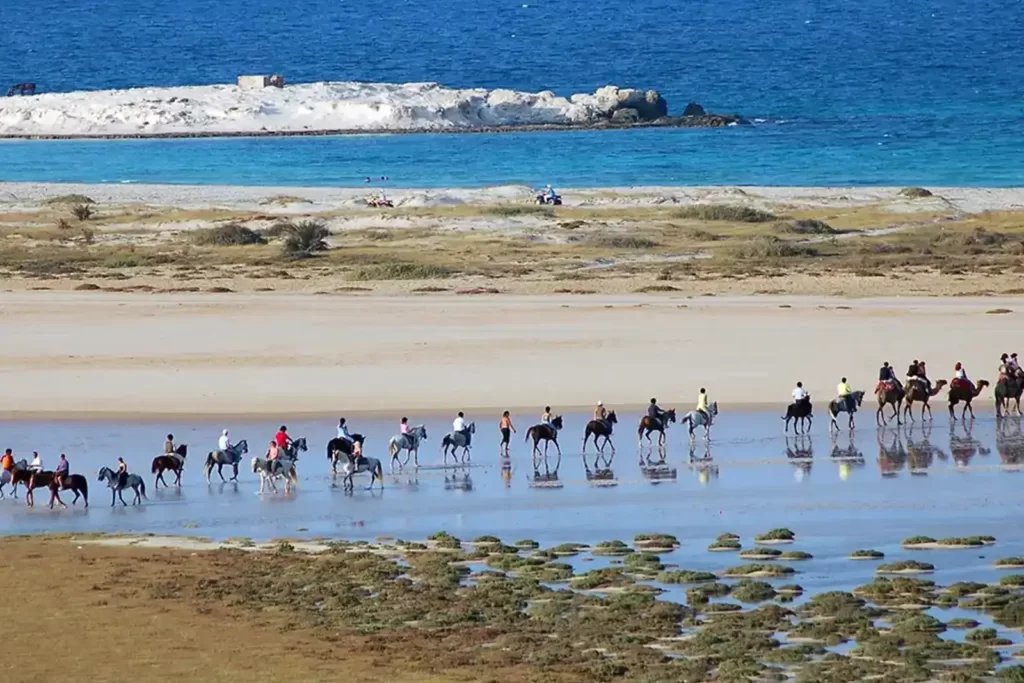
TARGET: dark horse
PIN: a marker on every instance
(72, 482)
(22, 89)
(648, 425)
(337, 447)
(166, 463)
(547, 433)
(601, 428)
(799, 411)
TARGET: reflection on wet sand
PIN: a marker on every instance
(549, 479)
(1010, 442)
(920, 451)
(657, 470)
(703, 464)
(964, 447)
(601, 474)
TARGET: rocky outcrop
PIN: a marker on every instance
(694, 109)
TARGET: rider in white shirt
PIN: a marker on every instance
(343, 431)
(459, 424)
(224, 443)
(37, 463)
(800, 394)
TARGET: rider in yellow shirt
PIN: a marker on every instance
(702, 403)
(843, 391)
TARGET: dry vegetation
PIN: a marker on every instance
(697, 248)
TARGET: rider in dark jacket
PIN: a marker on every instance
(653, 411)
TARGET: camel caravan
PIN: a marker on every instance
(917, 388)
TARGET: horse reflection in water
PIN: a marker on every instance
(703, 464)
(920, 452)
(458, 480)
(891, 457)
(800, 452)
(848, 454)
(549, 479)
(601, 474)
(657, 470)
(965, 447)
(1010, 442)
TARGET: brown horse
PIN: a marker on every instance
(888, 396)
(548, 433)
(647, 425)
(914, 391)
(38, 480)
(599, 428)
(165, 463)
(960, 391)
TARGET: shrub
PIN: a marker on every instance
(724, 545)
(1011, 562)
(905, 566)
(401, 271)
(623, 242)
(766, 247)
(612, 548)
(508, 210)
(763, 569)
(656, 541)
(757, 553)
(753, 591)
(306, 238)
(915, 192)
(82, 212)
(230, 234)
(685, 576)
(796, 555)
(867, 554)
(981, 635)
(723, 212)
(70, 199)
(918, 540)
(278, 229)
(780, 534)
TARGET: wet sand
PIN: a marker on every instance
(89, 355)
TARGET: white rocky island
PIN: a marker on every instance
(330, 107)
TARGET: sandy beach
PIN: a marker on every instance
(104, 354)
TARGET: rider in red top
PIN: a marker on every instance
(282, 438)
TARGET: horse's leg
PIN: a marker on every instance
(113, 496)
(120, 496)
(220, 471)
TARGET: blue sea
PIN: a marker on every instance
(864, 93)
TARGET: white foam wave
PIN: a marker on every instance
(327, 106)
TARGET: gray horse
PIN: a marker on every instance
(284, 467)
(132, 481)
(456, 440)
(695, 419)
(371, 465)
(231, 456)
(407, 442)
(848, 404)
(5, 478)
(298, 446)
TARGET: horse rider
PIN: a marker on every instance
(283, 441)
(655, 413)
(35, 467)
(403, 426)
(800, 394)
(61, 471)
(702, 404)
(122, 473)
(1004, 368)
(459, 424)
(1013, 365)
(843, 394)
(343, 432)
(960, 373)
(273, 454)
(224, 443)
(600, 413)
(169, 450)
(546, 417)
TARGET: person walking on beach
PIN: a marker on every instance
(7, 461)
(507, 428)
(702, 404)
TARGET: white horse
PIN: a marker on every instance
(285, 468)
(407, 442)
(371, 465)
(695, 419)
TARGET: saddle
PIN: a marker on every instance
(888, 385)
(655, 423)
(958, 383)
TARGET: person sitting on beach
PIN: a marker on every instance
(800, 394)
(843, 392)
(61, 471)
(654, 412)
(600, 413)
(546, 416)
(702, 404)
(122, 473)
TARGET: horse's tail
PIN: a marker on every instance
(529, 434)
(142, 488)
(156, 465)
(330, 449)
(379, 471)
(210, 461)
(85, 488)
(392, 448)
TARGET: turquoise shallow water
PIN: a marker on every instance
(845, 93)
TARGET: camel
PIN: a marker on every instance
(914, 392)
(888, 396)
(959, 392)
(1006, 391)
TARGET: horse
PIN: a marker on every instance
(292, 452)
(696, 418)
(456, 440)
(8, 478)
(847, 404)
(410, 441)
(169, 463)
(649, 424)
(600, 428)
(132, 481)
(72, 482)
(547, 433)
(799, 412)
(232, 455)
(337, 447)
(287, 467)
(365, 464)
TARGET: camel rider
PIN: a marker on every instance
(886, 377)
(914, 373)
(655, 413)
(122, 473)
(800, 394)
(1013, 366)
(959, 373)
(1004, 368)
(843, 394)
(61, 471)
(923, 377)
(702, 404)
(600, 413)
